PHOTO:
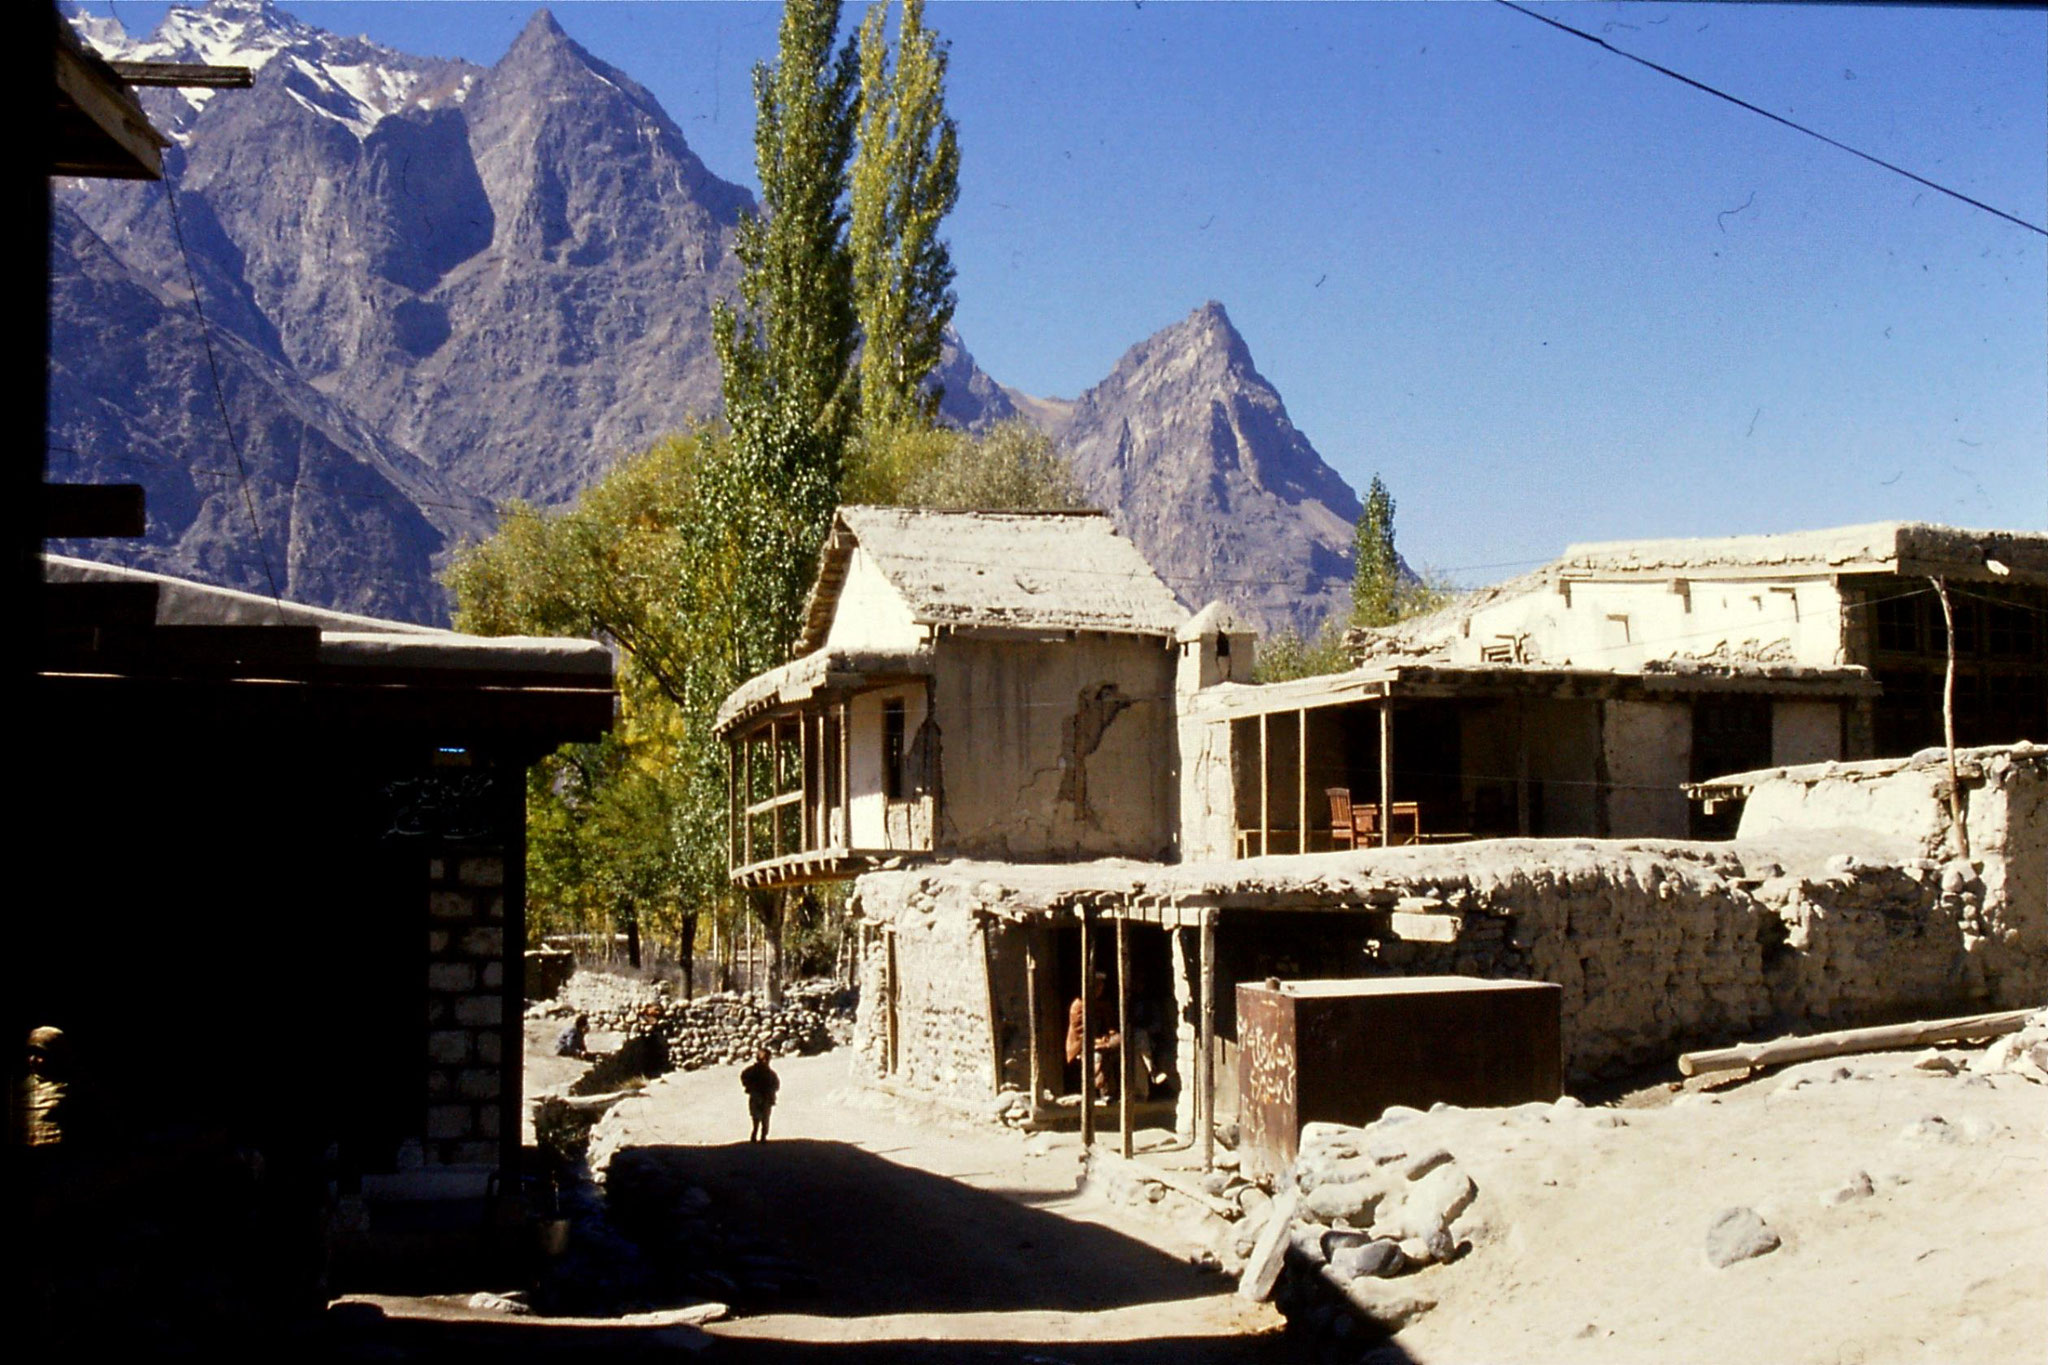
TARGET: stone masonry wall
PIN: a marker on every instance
(1848, 906)
(943, 1044)
(465, 1009)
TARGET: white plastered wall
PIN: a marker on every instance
(870, 615)
(1622, 624)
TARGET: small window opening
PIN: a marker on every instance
(892, 750)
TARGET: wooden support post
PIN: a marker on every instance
(806, 835)
(995, 1019)
(892, 995)
(1087, 1062)
(1958, 821)
(1265, 788)
(733, 810)
(775, 787)
(1301, 780)
(1035, 1064)
(746, 800)
(1387, 767)
(845, 773)
(1205, 1105)
(1123, 1036)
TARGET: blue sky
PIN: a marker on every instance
(1549, 295)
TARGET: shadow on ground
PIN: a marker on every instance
(845, 1233)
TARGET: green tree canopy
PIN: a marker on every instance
(785, 353)
(1376, 570)
(905, 180)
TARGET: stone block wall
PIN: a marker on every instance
(466, 1014)
(941, 1002)
(1844, 903)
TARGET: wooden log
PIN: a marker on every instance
(185, 75)
(1847, 1042)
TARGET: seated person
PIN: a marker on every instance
(569, 1042)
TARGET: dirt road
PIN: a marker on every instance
(919, 1241)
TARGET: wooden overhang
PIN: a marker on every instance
(98, 128)
(1419, 682)
(280, 678)
(132, 647)
(822, 674)
(815, 865)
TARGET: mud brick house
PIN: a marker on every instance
(283, 908)
(1852, 596)
(1531, 751)
(268, 883)
(968, 684)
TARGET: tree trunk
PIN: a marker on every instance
(630, 914)
(686, 954)
(773, 914)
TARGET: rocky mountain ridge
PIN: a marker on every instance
(472, 284)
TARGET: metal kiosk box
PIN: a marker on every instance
(1342, 1051)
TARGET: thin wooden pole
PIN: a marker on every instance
(807, 836)
(845, 773)
(995, 1023)
(733, 814)
(1265, 789)
(894, 995)
(1301, 780)
(1087, 1036)
(1386, 768)
(775, 788)
(1123, 1036)
(746, 800)
(1035, 1064)
(1956, 818)
(1205, 1117)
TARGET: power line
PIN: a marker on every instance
(1775, 118)
(286, 485)
(219, 397)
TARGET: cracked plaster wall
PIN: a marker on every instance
(1056, 753)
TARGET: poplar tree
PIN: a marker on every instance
(1376, 572)
(906, 179)
(786, 352)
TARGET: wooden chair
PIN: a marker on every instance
(1354, 825)
(1343, 818)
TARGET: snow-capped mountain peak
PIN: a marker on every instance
(353, 81)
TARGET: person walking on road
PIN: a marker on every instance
(760, 1082)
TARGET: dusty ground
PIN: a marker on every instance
(1596, 1252)
(925, 1242)
(928, 1242)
